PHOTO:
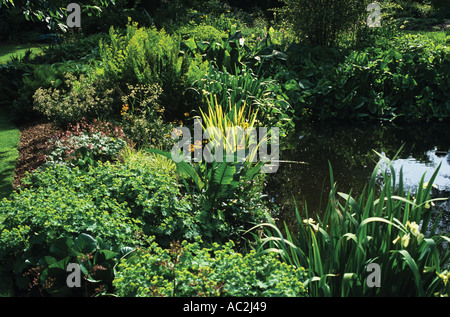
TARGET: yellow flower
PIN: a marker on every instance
(414, 229)
(198, 144)
(405, 240)
(176, 132)
(425, 185)
(312, 223)
(445, 276)
(396, 240)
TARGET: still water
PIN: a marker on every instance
(350, 150)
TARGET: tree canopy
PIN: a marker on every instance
(53, 12)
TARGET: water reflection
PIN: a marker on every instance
(350, 150)
(414, 169)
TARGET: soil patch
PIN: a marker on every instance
(32, 143)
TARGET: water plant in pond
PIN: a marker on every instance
(385, 226)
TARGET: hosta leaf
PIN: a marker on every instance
(84, 243)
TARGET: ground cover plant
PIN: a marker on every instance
(111, 197)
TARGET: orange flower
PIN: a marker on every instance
(124, 109)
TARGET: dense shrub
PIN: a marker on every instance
(187, 269)
(77, 98)
(73, 47)
(322, 22)
(20, 78)
(142, 116)
(404, 77)
(202, 32)
(56, 206)
(150, 56)
(11, 82)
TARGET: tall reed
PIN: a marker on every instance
(386, 225)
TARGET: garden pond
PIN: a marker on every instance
(303, 173)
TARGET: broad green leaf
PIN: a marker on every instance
(84, 243)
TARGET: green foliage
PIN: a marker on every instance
(322, 22)
(226, 195)
(20, 78)
(78, 98)
(84, 144)
(96, 260)
(187, 269)
(142, 116)
(53, 12)
(60, 203)
(152, 162)
(405, 8)
(202, 32)
(223, 54)
(82, 49)
(149, 56)
(385, 226)
(402, 77)
(245, 89)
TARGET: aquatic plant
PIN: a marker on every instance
(384, 228)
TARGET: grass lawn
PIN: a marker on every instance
(9, 50)
(9, 141)
(436, 36)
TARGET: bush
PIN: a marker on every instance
(11, 83)
(187, 269)
(78, 98)
(202, 32)
(20, 78)
(118, 203)
(149, 56)
(401, 78)
(322, 22)
(142, 116)
(57, 205)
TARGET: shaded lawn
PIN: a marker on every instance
(9, 154)
(9, 50)
(438, 37)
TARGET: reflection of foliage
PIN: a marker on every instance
(350, 151)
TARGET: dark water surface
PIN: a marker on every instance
(350, 150)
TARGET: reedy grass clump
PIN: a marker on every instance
(224, 124)
(384, 225)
